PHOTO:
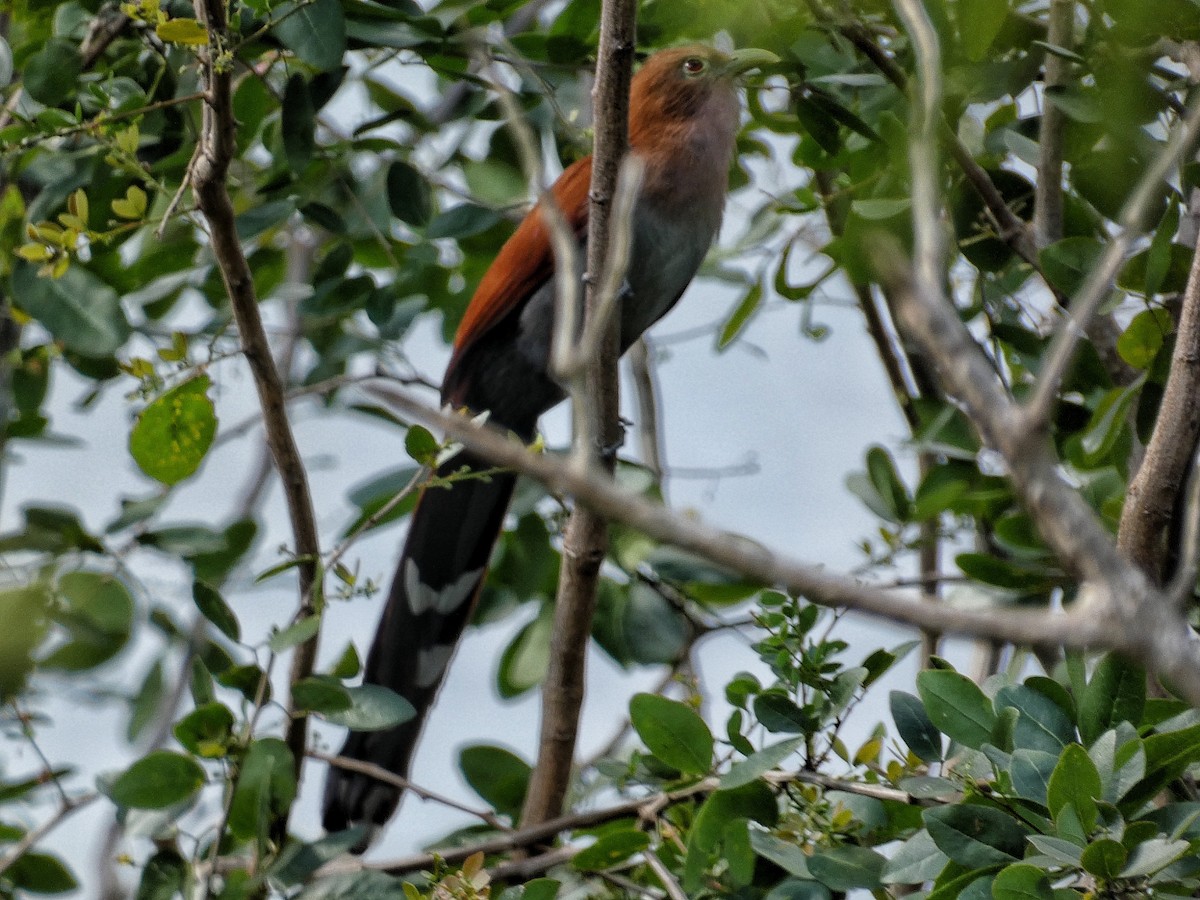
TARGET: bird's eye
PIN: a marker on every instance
(693, 66)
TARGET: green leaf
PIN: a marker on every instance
(206, 730)
(321, 694)
(673, 731)
(1154, 855)
(156, 781)
(847, 867)
(750, 768)
(295, 634)
(611, 849)
(918, 860)
(1030, 771)
(1145, 335)
(740, 316)
(464, 220)
(523, 662)
(1022, 881)
(1077, 782)
(881, 469)
(798, 889)
(957, 707)
(1104, 858)
(1081, 103)
(23, 610)
(1041, 723)
(315, 31)
(78, 309)
(265, 789)
(164, 876)
(1067, 262)
(1109, 421)
(1115, 694)
(753, 801)
(979, 23)
(372, 708)
(40, 873)
(146, 702)
(214, 608)
(788, 855)
(540, 889)
(421, 445)
(297, 124)
(50, 74)
(188, 32)
(408, 194)
(497, 775)
(174, 432)
(1167, 757)
(975, 836)
(299, 861)
(96, 611)
(915, 726)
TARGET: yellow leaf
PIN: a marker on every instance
(47, 232)
(182, 31)
(77, 204)
(58, 268)
(128, 139)
(868, 752)
(34, 252)
(133, 205)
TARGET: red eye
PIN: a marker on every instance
(693, 65)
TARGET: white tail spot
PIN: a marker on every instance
(431, 663)
(422, 598)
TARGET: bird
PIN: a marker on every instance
(684, 116)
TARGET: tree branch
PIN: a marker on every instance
(1152, 499)
(751, 560)
(1048, 202)
(597, 427)
(645, 808)
(214, 154)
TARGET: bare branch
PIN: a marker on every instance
(645, 808)
(749, 559)
(1153, 496)
(596, 422)
(214, 154)
(1048, 204)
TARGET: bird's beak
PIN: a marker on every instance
(744, 60)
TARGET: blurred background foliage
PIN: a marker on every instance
(375, 181)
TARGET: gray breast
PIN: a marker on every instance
(667, 251)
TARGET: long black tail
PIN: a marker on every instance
(450, 538)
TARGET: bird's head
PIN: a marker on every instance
(684, 84)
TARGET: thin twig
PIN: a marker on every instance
(66, 809)
(387, 777)
(664, 876)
